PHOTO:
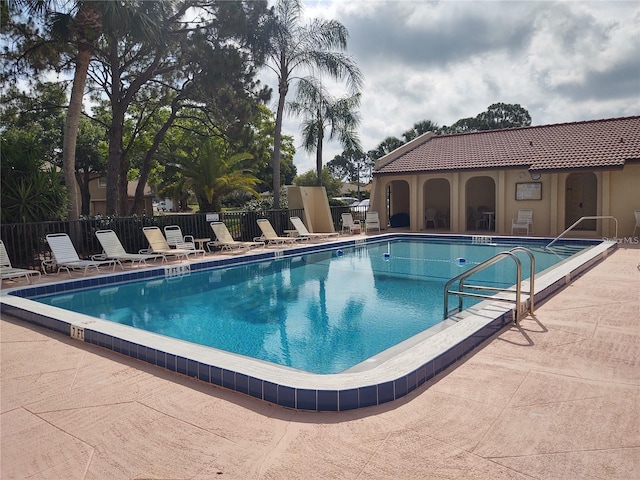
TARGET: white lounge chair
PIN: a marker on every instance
(372, 222)
(227, 242)
(113, 250)
(636, 213)
(158, 244)
(7, 271)
(349, 224)
(524, 221)
(270, 237)
(177, 240)
(302, 230)
(65, 255)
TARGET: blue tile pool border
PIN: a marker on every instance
(281, 388)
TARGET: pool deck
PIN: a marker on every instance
(556, 398)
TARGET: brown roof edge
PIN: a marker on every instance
(402, 149)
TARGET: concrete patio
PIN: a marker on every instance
(556, 398)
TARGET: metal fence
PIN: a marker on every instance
(27, 246)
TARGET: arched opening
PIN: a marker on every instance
(437, 203)
(480, 194)
(581, 200)
(398, 200)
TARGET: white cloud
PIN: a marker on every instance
(445, 60)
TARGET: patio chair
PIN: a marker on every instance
(524, 221)
(177, 240)
(227, 242)
(349, 224)
(158, 244)
(637, 215)
(65, 255)
(270, 237)
(7, 271)
(477, 219)
(301, 228)
(431, 217)
(113, 250)
(372, 222)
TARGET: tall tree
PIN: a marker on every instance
(388, 145)
(497, 116)
(418, 129)
(79, 24)
(208, 64)
(317, 47)
(503, 115)
(322, 112)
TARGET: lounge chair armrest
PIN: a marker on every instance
(45, 264)
(145, 251)
(189, 239)
(99, 257)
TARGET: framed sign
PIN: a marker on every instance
(529, 191)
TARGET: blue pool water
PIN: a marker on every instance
(322, 312)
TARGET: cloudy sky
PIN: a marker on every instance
(563, 61)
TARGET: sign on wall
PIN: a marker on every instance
(529, 191)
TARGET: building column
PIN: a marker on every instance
(457, 199)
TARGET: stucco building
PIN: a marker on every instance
(478, 181)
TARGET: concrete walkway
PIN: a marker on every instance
(556, 398)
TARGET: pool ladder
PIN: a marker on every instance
(470, 290)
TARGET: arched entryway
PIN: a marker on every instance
(581, 200)
(480, 194)
(437, 203)
(398, 201)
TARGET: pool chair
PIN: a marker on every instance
(372, 222)
(349, 224)
(158, 245)
(476, 220)
(177, 240)
(113, 250)
(270, 237)
(227, 242)
(8, 272)
(524, 221)
(65, 255)
(431, 217)
(302, 231)
(637, 215)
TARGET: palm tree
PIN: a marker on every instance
(211, 173)
(83, 24)
(308, 47)
(322, 112)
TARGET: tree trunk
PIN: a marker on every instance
(71, 125)
(123, 183)
(146, 163)
(319, 156)
(83, 179)
(283, 88)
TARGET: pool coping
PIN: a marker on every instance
(388, 380)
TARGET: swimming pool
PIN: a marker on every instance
(390, 372)
(319, 312)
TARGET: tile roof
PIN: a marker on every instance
(593, 144)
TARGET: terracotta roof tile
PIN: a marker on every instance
(593, 144)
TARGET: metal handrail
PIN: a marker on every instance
(495, 259)
(595, 217)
